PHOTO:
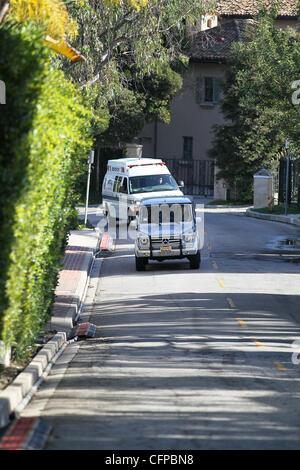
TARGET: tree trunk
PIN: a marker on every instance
(4, 7)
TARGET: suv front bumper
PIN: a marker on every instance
(182, 252)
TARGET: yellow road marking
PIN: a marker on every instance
(215, 265)
(241, 322)
(221, 283)
(231, 303)
(258, 343)
(278, 365)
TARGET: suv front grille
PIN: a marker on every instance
(158, 242)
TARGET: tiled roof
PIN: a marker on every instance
(249, 8)
(213, 45)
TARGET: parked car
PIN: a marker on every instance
(167, 229)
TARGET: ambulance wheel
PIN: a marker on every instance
(140, 263)
(195, 260)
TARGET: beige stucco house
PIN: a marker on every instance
(184, 142)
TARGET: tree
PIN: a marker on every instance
(131, 53)
(116, 30)
(52, 15)
(257, 106)
(140, 101)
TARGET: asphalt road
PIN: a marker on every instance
(186, 359)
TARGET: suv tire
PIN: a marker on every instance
(140, 263)
(195, 260)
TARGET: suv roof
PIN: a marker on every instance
(167, 200)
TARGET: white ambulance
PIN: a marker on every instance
(129, 180)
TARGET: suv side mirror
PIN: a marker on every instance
(181, 184)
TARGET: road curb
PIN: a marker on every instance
(290, 219)
(13, 395)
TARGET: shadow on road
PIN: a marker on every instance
(177, 371)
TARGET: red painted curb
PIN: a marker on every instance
(18, 434)
(26, 434)
(85, 329)
(104, 242)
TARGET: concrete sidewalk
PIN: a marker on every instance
(72, 284)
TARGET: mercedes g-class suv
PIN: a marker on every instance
(167, 229)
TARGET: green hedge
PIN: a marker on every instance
(46, 151)
(22, 58)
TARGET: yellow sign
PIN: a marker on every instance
(65, 49)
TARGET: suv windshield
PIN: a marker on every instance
(165, 213)
(151, 183)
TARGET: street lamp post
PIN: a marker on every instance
(90, 162)
(287, 146)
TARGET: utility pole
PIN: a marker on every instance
(90, 162)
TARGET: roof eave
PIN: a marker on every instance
(244, 17)
(208, 60)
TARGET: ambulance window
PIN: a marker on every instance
(124, 187)
(109, 184)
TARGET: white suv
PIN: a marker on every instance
(167, 229)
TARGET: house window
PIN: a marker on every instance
(208, 90)
(187, 148)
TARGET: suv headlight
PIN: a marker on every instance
(143, 241)
(189, 238)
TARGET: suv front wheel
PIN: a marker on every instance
(140, 263)
(195, 260)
